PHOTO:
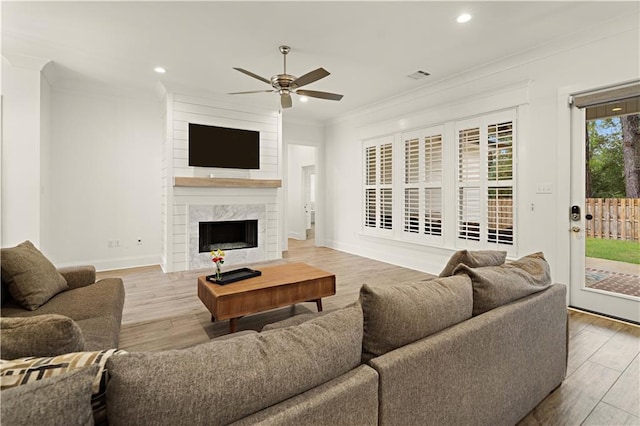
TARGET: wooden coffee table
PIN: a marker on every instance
(279, 285)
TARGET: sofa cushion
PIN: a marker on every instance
(494, 286)
(31, 278)
(473, 259)
(60, 400)
(41, 335)
(24, 371)
(401, 314)
(103, 298)
(222, 381)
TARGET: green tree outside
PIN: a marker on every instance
(605, 159)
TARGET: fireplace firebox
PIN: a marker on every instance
(228, 235)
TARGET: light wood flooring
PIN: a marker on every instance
(602, 387)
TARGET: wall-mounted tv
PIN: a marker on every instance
(212, 146)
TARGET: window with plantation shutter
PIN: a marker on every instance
(485, 181)
(422, 185)
(469, 184)
(378, 184)
(412, 185)
(500, 183)
(433, 185)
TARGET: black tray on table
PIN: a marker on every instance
(233, 276)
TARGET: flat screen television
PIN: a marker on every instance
(212, 146)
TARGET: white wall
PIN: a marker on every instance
(543, 73)
(45, 163)
(298, 156)
(21, 154)
(105, 180)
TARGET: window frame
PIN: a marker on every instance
(383, 183)
(420, 184)
(485, 183)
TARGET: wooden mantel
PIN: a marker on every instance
(205, 182)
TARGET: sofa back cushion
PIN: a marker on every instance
(222, 381)
(494, 286)
(40, 335)
(397, 315)
(32, 280)
(60, 400)
(473, 259)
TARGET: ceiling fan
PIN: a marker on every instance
(286, 84)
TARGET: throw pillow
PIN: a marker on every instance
(220, 382)
(26, 371)
(397, 315)
(41, 335)
(31, 278)
(60, 400)
(494, 286)
(473, 259)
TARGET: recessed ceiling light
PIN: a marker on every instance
(616, 109)
(465, 17)
(159, 70)
(304, 99)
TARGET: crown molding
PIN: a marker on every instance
(24, 61)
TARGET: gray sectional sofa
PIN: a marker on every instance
(483, 345)
(412, 353)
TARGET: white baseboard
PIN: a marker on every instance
(119, 263)
(295, 235)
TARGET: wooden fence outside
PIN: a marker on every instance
(613, 218)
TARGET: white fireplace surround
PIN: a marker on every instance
(226, 212)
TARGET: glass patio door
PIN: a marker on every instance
(603, 215)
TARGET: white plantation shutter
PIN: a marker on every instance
(412, 188)
(469, 184)
(370, 183)
(500, 183)
(422, 185)
(433, 211)
(378, 185)
(485, 181)
(433, 185)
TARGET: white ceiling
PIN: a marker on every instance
(369, 47)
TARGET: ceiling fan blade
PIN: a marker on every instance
(285, 100)
(310, 77)
(252, 91)
(249, 73)
(321, 95)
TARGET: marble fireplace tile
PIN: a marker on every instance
(226, 212)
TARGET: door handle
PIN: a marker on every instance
(575, 229)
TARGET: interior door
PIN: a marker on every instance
(585, 296)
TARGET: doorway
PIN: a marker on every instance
(604, 212)
(301, 194)
(309, 200)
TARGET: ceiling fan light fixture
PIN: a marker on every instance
(304, 99)
(160, 70)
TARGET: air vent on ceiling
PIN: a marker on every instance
(418, 75)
